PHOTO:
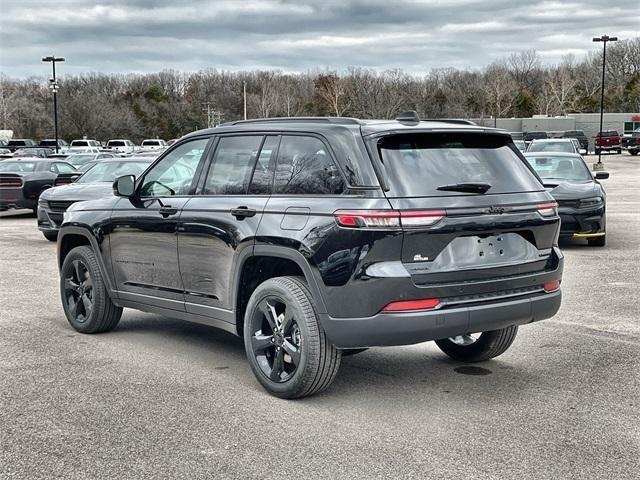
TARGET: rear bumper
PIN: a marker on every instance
(14, 198)
(406, 328)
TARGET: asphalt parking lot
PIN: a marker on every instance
(161, 398)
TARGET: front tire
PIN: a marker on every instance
(471, 348)
(285, 344)
(85, 299)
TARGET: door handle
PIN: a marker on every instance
(243, 212)
(167, 210)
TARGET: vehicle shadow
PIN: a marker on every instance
(415, 371)
(17, 214)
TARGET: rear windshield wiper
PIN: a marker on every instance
(465, 187)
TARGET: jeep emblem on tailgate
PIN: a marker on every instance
(495, 210)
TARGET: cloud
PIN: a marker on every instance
(297, 35)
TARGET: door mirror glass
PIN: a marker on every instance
(601, 175)
(124, 186)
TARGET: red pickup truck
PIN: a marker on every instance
(608, 140)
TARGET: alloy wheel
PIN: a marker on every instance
(78, 291)
(276, 340)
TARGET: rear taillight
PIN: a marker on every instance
(412, 305)
(551, 286)
(549, 209)
(388, 218)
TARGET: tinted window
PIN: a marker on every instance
(263, 172)
(417, 164)
(116, 143)
(232, 165)
(17, 166)
(561, 168)
(173, 175)
(305, 167)
(80, 143)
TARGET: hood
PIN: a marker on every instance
(563, 190)
(78, 191)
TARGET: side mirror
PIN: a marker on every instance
(124, 186)
(601, 175)
(75, 177)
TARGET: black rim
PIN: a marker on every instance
(78, 291)
(275, 340)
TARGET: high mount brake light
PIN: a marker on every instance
(412, 305)
(388, 218)
(549, 209)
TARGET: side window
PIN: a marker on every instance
(305, 167)
(232, 165)
(65, 168)
(173, 175)
(263, 172)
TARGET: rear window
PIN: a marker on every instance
(566, 147)
(16, 143)
(16, 167)
(152, 143)
(417, 164)
(80, 143)
(117, 143)
(608, 133)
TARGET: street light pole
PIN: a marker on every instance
(604, 39)
(53, 86)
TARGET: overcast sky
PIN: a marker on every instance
(298, 35)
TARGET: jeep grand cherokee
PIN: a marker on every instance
(317, 237)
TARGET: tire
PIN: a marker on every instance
(353, 351)
(85, 299)
(598, 241)
(619, 151)
(633, 152)
(272, 345)
(51, 236)
(488, 345)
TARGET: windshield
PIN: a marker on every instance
(419, 164)
(566, 147)
(560, 168)
(77, 160)
(109, 171)
(17, 166)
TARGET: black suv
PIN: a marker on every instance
(317, 237)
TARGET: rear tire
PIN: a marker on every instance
(488, 345)
(619, 151)
(85, 299)
(598, 241)
(633, 152)
(288, 352)
(51, 236)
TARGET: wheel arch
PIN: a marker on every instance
(71, 237)
(264, 262)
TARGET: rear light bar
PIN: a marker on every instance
(549, 209)
(388, 218)
(551, 286)
(412, 305)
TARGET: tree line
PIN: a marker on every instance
(169, 104)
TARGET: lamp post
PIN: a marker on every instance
(604, 39)
(53, 86)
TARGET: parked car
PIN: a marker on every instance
(171, 142)
(95, 183)
(23, 180)
(580, 196)
(80, 159)
(32, 152)
(311, 236)
(580, 136)
(16, 143)
(84, 144)
(149, 153)
(153, 144)
(553, 145)
(121, 146)
(631, 143)
(531, 136)
(51, 143)
(607, 141)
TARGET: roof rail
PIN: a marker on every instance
(332, 120)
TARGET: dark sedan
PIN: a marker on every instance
(23, 180)
(95, 183)
(581, 198)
